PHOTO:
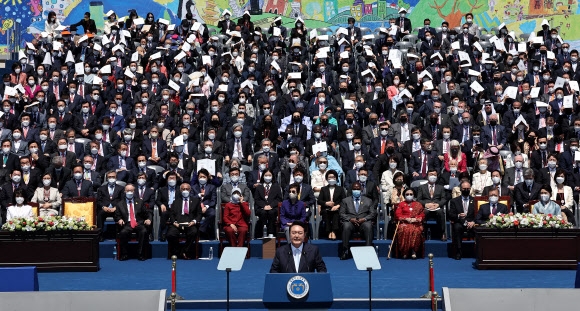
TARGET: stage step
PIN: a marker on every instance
(327, 248)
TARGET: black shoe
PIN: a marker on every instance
(344, 256)
(163, 239)
(458, 256)
(142, 258)
(123, 258)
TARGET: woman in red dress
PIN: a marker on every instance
(409, 215)
(234, 219)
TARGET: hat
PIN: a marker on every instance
(401, 10)
(226, 12)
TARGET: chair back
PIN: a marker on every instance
(81, 207)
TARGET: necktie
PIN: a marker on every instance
(79, 188)
(26, 178)
(494, 209)
(544, 159)
(63, 158)
(356, 204)
(132, 215)
(186, 207)
(111, 190)
(153, 149)
(25, 130)
(141, 193)
(267, 190)
(434, 133)
(87, 175)
(431, 190)
(493, 136)
(383, 144)
(424, 166)
(465, 133)
(56, 94)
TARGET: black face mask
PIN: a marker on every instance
(373, 122)
(454, 151)
(349, 121)
(465, 193)
(403, 119)
(296, 119)
(324, 122)
(493, 123)
(173, 165)
(434, 121)
(215, 122)
(267, 123)
(390, 149)
(343, 90)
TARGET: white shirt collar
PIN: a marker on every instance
(294, 249)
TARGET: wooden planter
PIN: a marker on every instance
(527, 248)
(51, 251)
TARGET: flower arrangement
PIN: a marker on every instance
(535, 221)
(55, 223)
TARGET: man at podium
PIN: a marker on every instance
(297, 256)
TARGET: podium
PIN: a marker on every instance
(312, 291)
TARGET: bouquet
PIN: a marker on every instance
(54, 223)
(528, 220)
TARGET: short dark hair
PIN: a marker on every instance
(301, 224)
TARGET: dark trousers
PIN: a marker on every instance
(207, 226)
(125, 235)
(268, 218)
(163, 218)
(439, 216)
(458, 229)
(101, 217)
(173, 233)
(366, 229)
(331, 220)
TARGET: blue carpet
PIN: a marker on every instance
(199, 279)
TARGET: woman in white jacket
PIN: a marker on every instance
(563, 195)
(48, 198)
(51, 24)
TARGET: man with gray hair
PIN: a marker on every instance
(238, 146)
(526, 191)
(58, 173)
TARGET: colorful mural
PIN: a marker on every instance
(522, 16)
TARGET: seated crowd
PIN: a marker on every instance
(288, 124)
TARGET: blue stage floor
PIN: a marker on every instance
(199, 279)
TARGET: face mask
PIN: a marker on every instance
(85, 110)
(384, 132)
(16, 178)
(202, 181)
(573, 148)
(267, 179)
(19, 200)
(127, 137)
(46, 182)
(493, 199)
(446, 135)
(171, 183)
(356, 193)
(129, 195)
(34, 150)
(551, 164)
(94, 151)
(560, 180)
(529, 182)
(123, 153)
(545, 197)
(432, 179)
(416, 136)
(238, 134)
(317, 135)
(322, 166)
(543, 146)
(78, 176)
(409, 198)
(16, 135)
(208, 150)
(153, 135)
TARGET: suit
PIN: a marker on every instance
(59, 178)
(503, 190)
(70, 189)
(227, 188)
(125, 175)
(141, 214)
(178, 215)
(261, 200)
(209, 200)
(310, 260)
(161, 149)
(485, 211)
(417, 161)
(104, 199)
(69, 159)
(523, 195)
(348, 211)
(459, 223)
(439, 197)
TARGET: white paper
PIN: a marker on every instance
(464, 57)
(568, 101)
(395, 58)
(80, 69)
(559, 82)
(521, 119)
(522, 66)
(428, 85)
(206, 60)
(208, 164)
(499, 45)
(535, 92)
(128, 73)
(455, 45)
(511, 92)
(574, 85)
(476, 87)
(139, 21)
(577, 156)
(320, 147)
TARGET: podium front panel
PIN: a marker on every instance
(298, 291)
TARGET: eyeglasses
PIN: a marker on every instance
(323, 162)
(293, 192)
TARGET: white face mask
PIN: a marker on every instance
(560, 180)
(19, 200)
(493, 199)
(322, 166)
(432, 179)
(409, 198)
(46, 182)
(545, 198)
(267, 179)
(482, 167)
(496, 180)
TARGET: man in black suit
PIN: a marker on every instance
(77, 187)
(185, 217)
(88, 24)
(493, 207)
(308, 256)
(526, 191)
(165, 198)
(30, 176)
(9, 160)
(108, 197)
(354, 34)
(7, 191)
(226, 24)
(423, 161)
(132, 216)
(434, 198)
(58, 173)
(496, 184)
(462, 214)
(403, 23)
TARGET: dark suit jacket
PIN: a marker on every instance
(70, 189)
(439, 195)
(485, 210)
(141, 213)
(456, 208)
(523, 196)
(194, 211)
(310, 260)
(103, 198)
(504, 191)
(148, 196)
(210, 197)
(274, 197)
(324, 196)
